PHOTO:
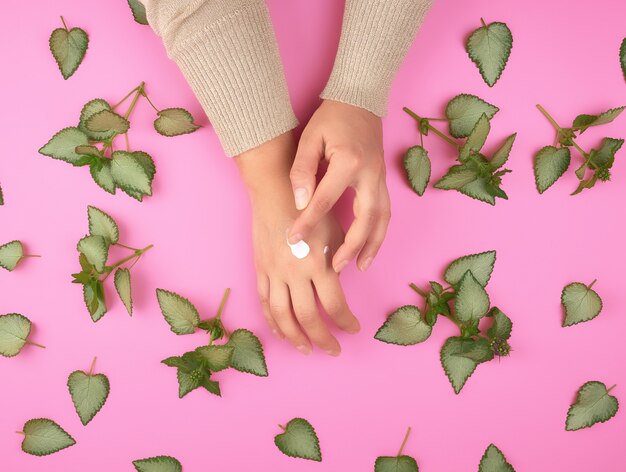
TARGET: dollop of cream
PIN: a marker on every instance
(300, 249)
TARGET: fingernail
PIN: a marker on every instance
(333, 352)
(340, 266)
(294, 239)
(302, 198)
(366, 263)
(304, 349)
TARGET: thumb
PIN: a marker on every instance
(304, 170)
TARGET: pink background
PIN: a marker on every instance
(564, 57)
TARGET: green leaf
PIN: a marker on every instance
(90, 109)
(96, 250)
(217, 357)
(211, 386)
(480, 265)
(489, 47)
(68, 49)
(248, 353)
(502, 155)
(122, 285)
(179, 312)
(146, 162)
(1, 197)
(129, 173)
(43, 437)
(158, 463)
(457, 177)
(96, 308)
(472, 301)
(14, 331)
(89, 392)
(593, 405)
(581, 303)
(174, 122)
(494, 461)
(187, 382)
(87, 150)
(582, 122)
(102, 176)
(395, 464)
(299, 440)
(101, 224)
(622, 57)
(63, 145)
(565, 136)
(404, 327)
(502, 325)
(605, 156)
(580, 172)
(11, 254)
(482, 190)
(139, 11)
(108, 122)
(589, 183)
(464, 111)
(550, 164)
(460, 357)
(417, 167)
(476, 140)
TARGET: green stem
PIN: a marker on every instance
(609, 389)
(35, 344)
(31, 255)
(430, 127)
(222, 303)
(138, 93)
(483, 23)
(137, 254)
(93, 364)
(126, 247)
(124, 99)
(406, 437)
(580, 150)
(127, 143)
(547, 115)
(282, 427)
(418, 290)
(64, 24)
(21, 432)
(591, 284)
(150, 101)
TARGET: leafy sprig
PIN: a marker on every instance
(92, 144)
(464, 302)
(95, 270)
(68, 47)
(551, 162)
(489, 47)
(593, 405)
(11, 254)
(242, 351)
(475, 175)
(14, 332)
(299, 440)
(399, 462)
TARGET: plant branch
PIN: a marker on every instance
(143, 92)
(418, 290)
(430, 127)
(222, 303)
(35, 344)
(137, 254)
(93, 364)
(138, 93)
(64, 24)
(406, 437)
(547, 115)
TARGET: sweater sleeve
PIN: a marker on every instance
(227, 51)
(375, 37)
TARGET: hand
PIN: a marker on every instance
(349, 138)
(288, 286)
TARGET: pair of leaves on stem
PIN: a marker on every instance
(299, 440)
(11, 254)
(68, 47)
(580, 302)
(551, 162)
(489, 47)
(460, 355)
(14, 332)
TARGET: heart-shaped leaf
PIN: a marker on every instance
(139, 11)
(89, 392)
(494, 461)
(489, 47)
(395, 464)
(174, 122)
(464, 111)
(299, 440)
(101, 224)
(96, 250)
(179, 312)
(121, 281)
(593, 405)
(550, 164)
(582, 122)
(130, 174)
(158, 463)
(247, 353)
(472, 300)
(63, 145)
(14, 331)
(581, 303)
(102, 176)
(11, 254)
(404, 327)
(90, 109)
(108, 122)
(68, 48)
(417, 167)
(480, 265)
(460, 357)
(43, 437)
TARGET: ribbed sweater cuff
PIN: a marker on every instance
(227, 51)
(375, 37)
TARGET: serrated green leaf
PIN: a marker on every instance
(593, 405)
(395, 464)
(43, 436)
(580, 172)
(464, 111)
(102, 176)
(457, 177)
(502, 154)
(179, 312)
(460, 357)
(121, 281)
(580, 302)
(89, 392)
(550, 164)
(146, 162)
(63, 145)
(91, 108)
(96, 309)
(187, 382)
(299, 440)
(477, 138)
(102, 224)
(96, 250)
(480, 265)
(417, 167)
(211, 386)
(217, 357)
(502, 325)
(11, 254)
(14, 331)
(68, 49)
(605, 156)
(589, 183)
(481, 190)
(129, 173)
(174, 122)
(87, 150)
(248, 353)
(404, 327)
(582, 122)
(108, 122)
(472, 301)
(489, 47)
(622, 57)
(494, 461)
(158, 463)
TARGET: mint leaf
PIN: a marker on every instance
(96, 306)
(404, 327)
(96, 250)
(489, 47)
(121, 281)
(299, 440)
(43, 437)
(139, 14)
(502, 325)
(217, 357)
(593, 405)
(89, 392)
(417, 167)
(457, 177)
(108, 122)
(481, 190)
(472, 301)
(494, 461)
(248, 353)
(622, 57)
(14, 331)
(68, 49)
(395, 464)
(582, 122)
(179, 312)
(130, 174)
(581, 303)
(158, 463)
(11, 254)
(464, 111)
(174, 122)
(480, 265)
(605, 156)
(102, 176)
(63, 145)
(101, 224)
(460, 357)
(550, 164)
(90, 109)
(502, 154)
(477, 138)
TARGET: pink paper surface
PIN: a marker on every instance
(565, 56)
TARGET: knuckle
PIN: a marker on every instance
(307, 319)
(278, 310)
(321, 205)
(298, 171)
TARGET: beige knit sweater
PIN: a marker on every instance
(227, 51)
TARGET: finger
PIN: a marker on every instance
(331, 296)
(307, 314)
(377, 236)
(304, 169)
(280, 309)
(263, 287)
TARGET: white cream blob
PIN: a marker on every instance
(300, 250)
